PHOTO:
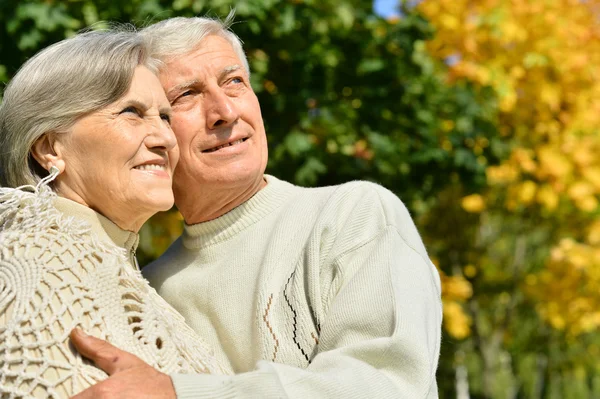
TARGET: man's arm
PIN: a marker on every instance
(130, 377)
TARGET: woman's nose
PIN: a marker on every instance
(161, 136)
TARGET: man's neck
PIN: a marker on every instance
(205, 204)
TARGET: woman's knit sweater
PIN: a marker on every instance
(62, 265)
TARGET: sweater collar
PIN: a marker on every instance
(263, 203)
(103, 227)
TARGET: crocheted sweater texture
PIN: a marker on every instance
(62, 265)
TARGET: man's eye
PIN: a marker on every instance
(132, 110)
(237, 80)
(166, 117)
(186, 93)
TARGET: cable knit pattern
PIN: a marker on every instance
(72, 267)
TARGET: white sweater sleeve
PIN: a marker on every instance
(380, 337)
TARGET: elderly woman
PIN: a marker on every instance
(87, 156)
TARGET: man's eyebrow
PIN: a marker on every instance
(182, 86)
(227, 70)
(191, 83)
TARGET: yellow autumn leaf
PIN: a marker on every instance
(553, 163)
(578, 259)
(580, 190)
(524, 158)
(456, 288)
(584, 155)
(501, 174)
(547, 197)
(588, 203)
(456, 321)
(473, 203)
(592, 175)
(550, 94)
(526, 192)
(593, 233)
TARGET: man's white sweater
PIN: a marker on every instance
(308, 293)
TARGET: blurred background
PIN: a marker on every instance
(483, 116)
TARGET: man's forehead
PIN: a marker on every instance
(210, 47)
(213, 57)
(181, 81)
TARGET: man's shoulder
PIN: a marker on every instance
(363, 208)
(353, 191)
(347, 206)
(359, 197)
(356, 201)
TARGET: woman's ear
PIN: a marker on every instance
(43, 151)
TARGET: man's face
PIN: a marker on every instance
(217, 121)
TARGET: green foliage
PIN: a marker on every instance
(345, 95)
(359, 98)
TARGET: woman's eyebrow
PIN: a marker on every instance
(165, 110)
(136, 103)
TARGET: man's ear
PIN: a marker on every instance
(44, 152)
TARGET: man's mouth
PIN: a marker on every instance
(226, 145)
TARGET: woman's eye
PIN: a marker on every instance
(132, 110)
(166, 118)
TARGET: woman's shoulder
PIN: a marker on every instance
(37, 247)
(31, 227)
(34, 263)
(42, 255)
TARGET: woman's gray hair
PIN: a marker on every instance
(58, 85)
(180, 35)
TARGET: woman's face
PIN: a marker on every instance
(119, 160)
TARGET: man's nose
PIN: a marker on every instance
(221, 110)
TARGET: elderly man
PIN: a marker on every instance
(303, 292)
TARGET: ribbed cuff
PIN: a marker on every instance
(198, 386)
(263, 383)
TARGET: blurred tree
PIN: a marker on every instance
(528, 242)
(344, 94)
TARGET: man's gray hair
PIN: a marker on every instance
(180, 35)
(58, 85)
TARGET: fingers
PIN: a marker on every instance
(138, 382)
(103, 390)
(104, 355)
